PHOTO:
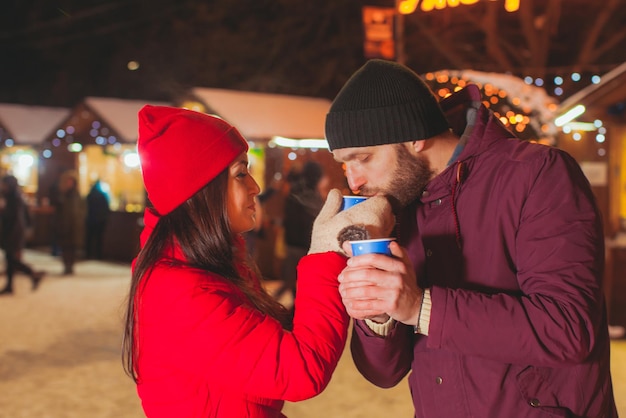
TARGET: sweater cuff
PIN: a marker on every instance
(424, 321)
(381, 329)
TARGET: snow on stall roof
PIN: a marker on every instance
(30, 125)
(263, 115)
(120, 114)
(531, 97)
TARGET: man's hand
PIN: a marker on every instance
(375, 285)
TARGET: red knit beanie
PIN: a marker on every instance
(181, 151)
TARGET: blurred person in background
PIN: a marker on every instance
(15, 221)
(53, 200)
(70, 220)
(302, 205)
(202, 337)
(98, 211)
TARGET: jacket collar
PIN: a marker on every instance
(478, 129)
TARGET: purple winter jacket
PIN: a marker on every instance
(509, 240)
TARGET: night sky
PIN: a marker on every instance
(56, 53)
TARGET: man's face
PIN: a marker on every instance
(391, 169)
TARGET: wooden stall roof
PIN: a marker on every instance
(30, 125)
(263, 115)
(120, 114)
(611, 89)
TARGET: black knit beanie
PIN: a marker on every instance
(383, 103)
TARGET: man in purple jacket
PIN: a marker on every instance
(494, 297)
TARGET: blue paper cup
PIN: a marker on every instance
(368, 246)
(349, 201)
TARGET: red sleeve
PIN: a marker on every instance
(213, 334)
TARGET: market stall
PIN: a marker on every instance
(593, 130)
(22, 130)
(98, 142)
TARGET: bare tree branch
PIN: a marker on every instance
(455, 59)
(587, 50)
(492, 41)
(527, 23)
(616, 39)
(549, 28)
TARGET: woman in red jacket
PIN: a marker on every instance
(202, 338)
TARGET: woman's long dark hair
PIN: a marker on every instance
(200, 227)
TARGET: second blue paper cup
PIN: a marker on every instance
(368, 246)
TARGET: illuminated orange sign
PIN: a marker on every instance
(406, 7)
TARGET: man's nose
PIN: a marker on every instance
(355, 179)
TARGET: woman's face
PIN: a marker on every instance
(240, 194)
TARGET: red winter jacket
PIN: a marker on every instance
(204, 351)
(509, 240)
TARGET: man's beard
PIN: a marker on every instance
(410, 177)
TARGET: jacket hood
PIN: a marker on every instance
(468, 117)
(478, 130)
